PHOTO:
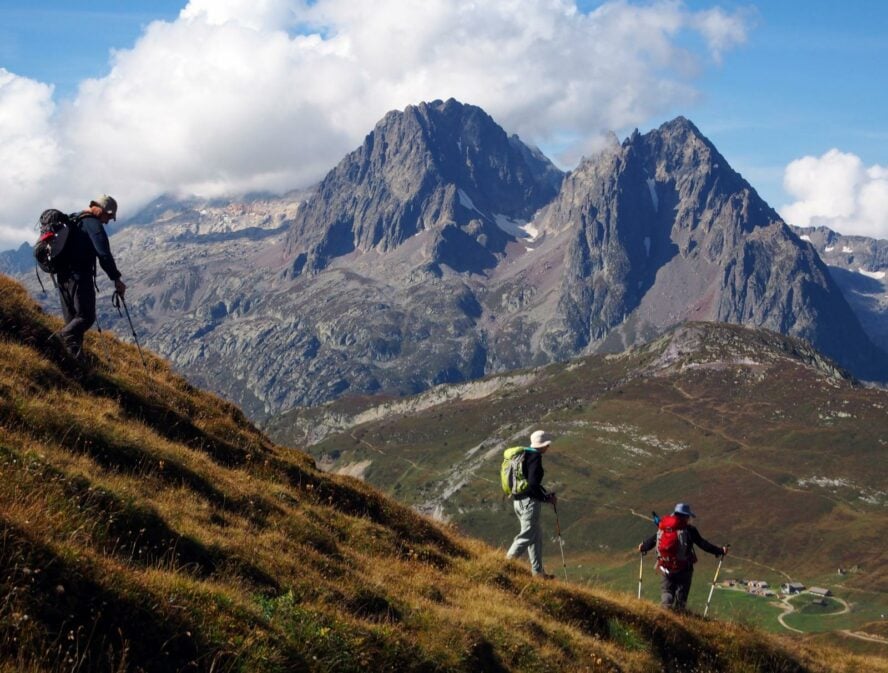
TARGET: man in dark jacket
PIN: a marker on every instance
(88, 242)
(675, 539)
(529, 504)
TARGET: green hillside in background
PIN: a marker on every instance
(147, 526)
(779, 452)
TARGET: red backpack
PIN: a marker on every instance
(674, 552)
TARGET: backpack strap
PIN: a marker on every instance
(39, 280)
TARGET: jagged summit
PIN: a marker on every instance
(441, 167)
(859, 265)
(661, 230)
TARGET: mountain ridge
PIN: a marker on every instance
(346, 413)
(404, 270)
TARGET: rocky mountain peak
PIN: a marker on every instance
(443, 167)
(661, 230)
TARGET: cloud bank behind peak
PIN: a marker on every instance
(266, 95)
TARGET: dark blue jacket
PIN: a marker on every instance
(89, 242)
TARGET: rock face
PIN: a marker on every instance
(442, 250)
(18, 261)
(444, 167)
(662, 230)
(859, 265)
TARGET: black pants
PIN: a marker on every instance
(674, 589)
(79, 308)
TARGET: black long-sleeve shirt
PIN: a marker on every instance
(91, 243)
(695, 539)
(533, 472)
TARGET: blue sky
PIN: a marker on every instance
(64, 41)
(803, 79)
(811, 77)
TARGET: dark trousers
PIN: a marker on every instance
(79, 308)
(674, 589)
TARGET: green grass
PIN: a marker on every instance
(813, 618)
(735, 605)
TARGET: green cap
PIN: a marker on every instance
(107, 204)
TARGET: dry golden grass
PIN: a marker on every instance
(147, 526)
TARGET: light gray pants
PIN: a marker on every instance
(530, 536)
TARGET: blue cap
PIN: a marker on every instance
(684, 509)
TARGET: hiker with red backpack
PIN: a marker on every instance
(84, 242)
(522, 476)
(675, 539)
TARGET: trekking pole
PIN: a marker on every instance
(640, 570)
(116, 300)
(714, 580)
(560, 541)
(103, 340)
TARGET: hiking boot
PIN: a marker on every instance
(77, 361)
(70, 349)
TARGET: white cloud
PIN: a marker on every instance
(722, 31)
(30, 155)
(242, 95)
(260, 15)
(836, 190)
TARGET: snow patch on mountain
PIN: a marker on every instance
(517, 228)
(652, 188)
(466, 201)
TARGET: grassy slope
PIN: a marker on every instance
(733, 439)
(146, 525)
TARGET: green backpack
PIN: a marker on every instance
(512, 471)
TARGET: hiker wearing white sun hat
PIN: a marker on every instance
(528, 503)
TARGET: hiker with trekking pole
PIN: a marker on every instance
(521, 475)
(675, 539)
(68, 249)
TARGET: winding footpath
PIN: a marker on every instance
(788, 608)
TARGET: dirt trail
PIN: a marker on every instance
(760, 564)
(789, 608)
(860, 635)
(670, 409)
